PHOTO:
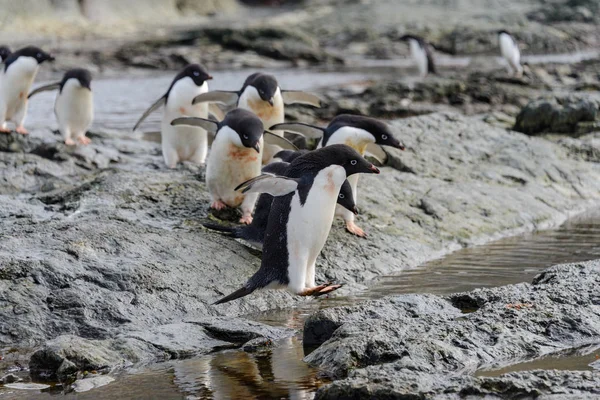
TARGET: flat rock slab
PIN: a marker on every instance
(421, 339)
(94, 382)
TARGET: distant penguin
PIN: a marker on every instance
(18, 73)
(262, 95)
(4, 53)
(300, 219)
(510, 52)
(183, 143)
(234, 158)
(363, 134)
(421, 52)
(74, 106)
(255, 232)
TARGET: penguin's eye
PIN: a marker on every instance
(353, 162)
(245, 137)
(196, 73)
(39, 55)
(342, 196)
(384, 137)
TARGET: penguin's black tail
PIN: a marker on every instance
(244, 291)
(226, 230)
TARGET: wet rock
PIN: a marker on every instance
(9, 378)
(257, 344)
(418, 338)
(91, 382)
(586, 147)
(240, 331)
(557, 115)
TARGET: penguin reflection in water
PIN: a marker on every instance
(364, 134)
(300, 219)
(235, 157)
(255, 232)
(182, 143)
(16, 76)
(74, 106)
(262, 95)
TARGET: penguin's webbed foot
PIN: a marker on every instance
(69, 142)
(355, 229)
(5, 130)
(320, 290)
(218, 205)
(22, 130)
(84, 140)
(246, 219)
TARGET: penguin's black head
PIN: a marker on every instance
(501, 31)
(4, 53)
(82, 75)
(197, 72)
(34, 52)
(380, 131)
(346, 198)
(265, 85)
(248, 126)
(335, 154)
(406, 38)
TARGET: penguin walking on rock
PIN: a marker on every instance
(262, 95)
(4, 53)
(300, 219)
(74, 106)
(362, 134)
(17, 74)
(183, 143)
(255, 232)
(421, 52)
(509, 49)
(235, 157)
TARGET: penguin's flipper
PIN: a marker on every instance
(45, 88)
(310, 131)
(300, 97)
(216, 112)
(157, 104)
(217, 96)
(272, 138)
(244, 291)
(268, 183)
(207, 124)
(377, 152)
(430, 63)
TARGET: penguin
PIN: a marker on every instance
(183, 143)
(421, 53)
(287, 156)
(359, 132)
(4, 53)
(300, 219)
(510, 52)
(235, 157)
(255, 232)
(262, 95)
(18, 72)
(74, 106)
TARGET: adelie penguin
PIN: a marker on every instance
(421, 52)
(510, 52)
(183, 143)
(74, 106)
(4, 53)
(235, 157)
(255, 232)
(361, 133)
(262, 95)
(300, 219)
(18, 72)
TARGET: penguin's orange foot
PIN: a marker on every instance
(69, 142)
(218, 205)
(22, 130)
(84, 140)
(355, 229)
(5, 130)
(320, 290)
(246, 219)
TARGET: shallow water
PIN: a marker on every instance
(280, 373)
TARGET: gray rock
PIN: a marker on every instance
(9, 378)
(257, 344)
(91, 382)
(414, 340)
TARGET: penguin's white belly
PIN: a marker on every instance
(420, 56)
(75, 109)
(309, 224)
(228, 166)
(14, 94)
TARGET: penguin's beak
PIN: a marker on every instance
(50, 58)
(401, 146)
(374, 169)
(209, 77)
(256, 147)
(271, 101)
(354, 210)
